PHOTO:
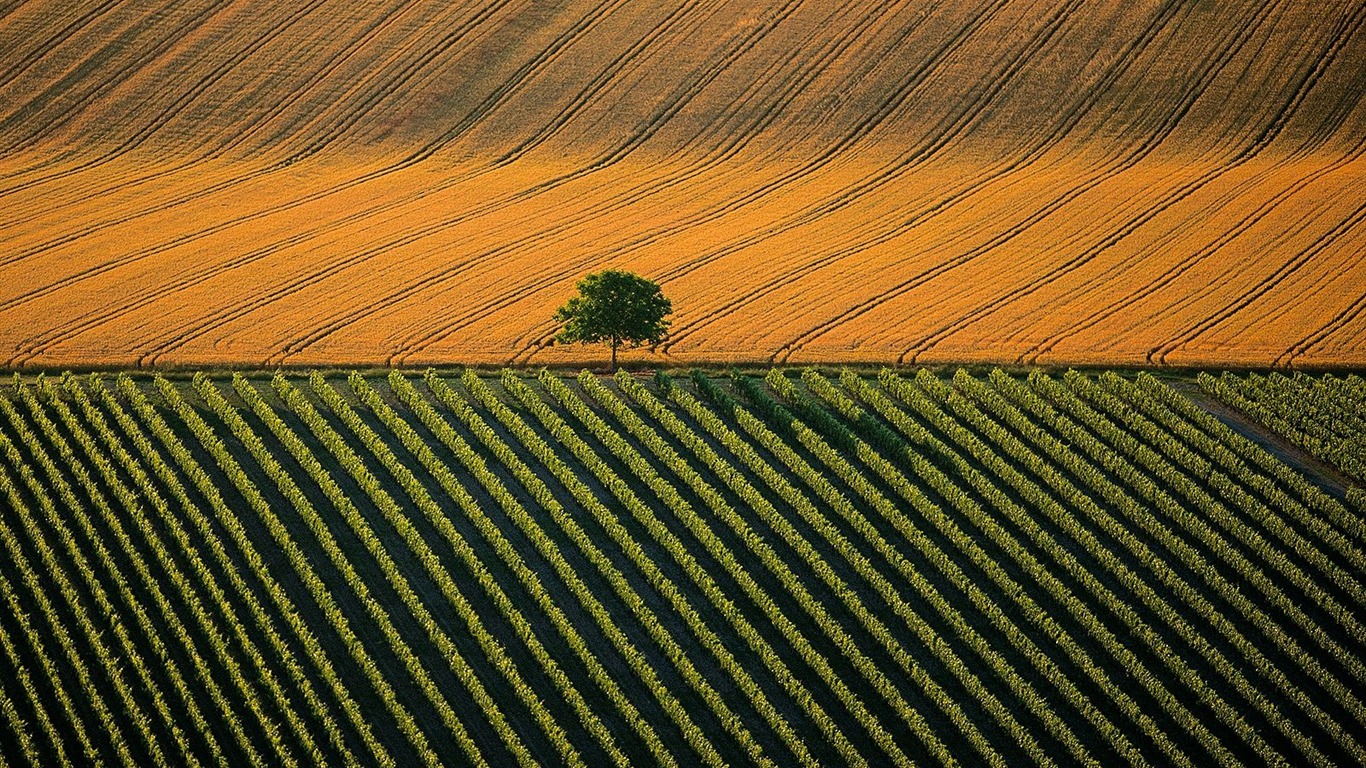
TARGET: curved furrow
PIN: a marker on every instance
(237, 50)
(1336, 323)
(1158, 354)
(104, 315)
(1141, 153)
(735, 142)
(219, 229)
(1286, 270)
(1264, 284)
(846, 197)
(1244, 188)
(1114, 235)
(199, 87)
(1137, 155)
(394, 82)
(7, 10)
(43, 46)
(753, 196)
(510, 86)
(859, 133)
(604, 161)
(1010, 173)
(42, 162)
(1048, 164)
(843, 147)
(1118, 233)
(260, 253)
(1209, 209)
(99, 186)
(631, 58)
(536, 337)
(70, 74)
(734, 304)
(197, 160)
(1195, 259)
(661, 115)
(1319, 64)
(371, 93)
(409, 161)
(386, 75)
(274, 210)
(112, 83)
(1284, 238)
(202, 155)
(178, 241)
(32, 116)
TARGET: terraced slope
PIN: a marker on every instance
(404, 181)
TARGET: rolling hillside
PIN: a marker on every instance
(201, 182)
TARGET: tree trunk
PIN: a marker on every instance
(613, 369)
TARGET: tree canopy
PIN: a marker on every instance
(615, 307)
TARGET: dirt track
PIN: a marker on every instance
(1063, 181)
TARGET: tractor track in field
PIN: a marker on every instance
(371, 164)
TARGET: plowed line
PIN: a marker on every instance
(189, 166)
(845, 198)
(1284, 114)
(1192, 94)
(724, 153)
(682, 94)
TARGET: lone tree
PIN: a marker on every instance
(616, 307)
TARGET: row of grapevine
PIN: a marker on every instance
(424, 501)
(593, 551)
(134, 706)
(176, 578)
(717, 547)
(960, 503)
(1228, 514)
(528, 579)
(206, 582)
(1337, 725)
(1325, 416)
(1058, 571)
(1168, 579)
(318, 590)
(1280, 636)
(431, 565)
(641, 469)
(822, 488)
(1172, 505)
(1283, 492)
(92, 745)
(1023, 740)
(265, 618)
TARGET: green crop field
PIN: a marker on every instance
(790, 570)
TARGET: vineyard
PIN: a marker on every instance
(1325, 416)
(420, 182)
(797, 569)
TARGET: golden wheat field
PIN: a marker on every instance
(210, 182)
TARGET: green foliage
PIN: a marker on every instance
(1076, 570)
(615, 307)
(1324, 416)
